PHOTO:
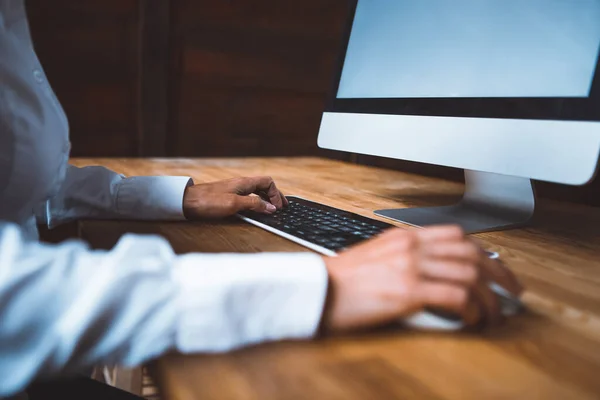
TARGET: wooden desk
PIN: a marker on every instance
(550, 352)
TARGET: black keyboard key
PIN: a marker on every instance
(356, 227)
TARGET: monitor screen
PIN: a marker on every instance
(472, 48)
(534, 59)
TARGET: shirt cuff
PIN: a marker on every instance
(152, 197)
(230, 301)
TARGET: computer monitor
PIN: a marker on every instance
(508, 90)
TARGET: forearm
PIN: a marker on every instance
(66, 307)
(98, 193)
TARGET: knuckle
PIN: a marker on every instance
(237, 181)
(253, 200)
(408, 240)
(257, 202)
(266, 178)
(231, 202)
(456, 231)
(411, 261)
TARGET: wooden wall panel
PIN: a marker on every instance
(154, 73)
(251, 78)
(89, 50)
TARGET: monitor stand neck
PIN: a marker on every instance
(491, 202)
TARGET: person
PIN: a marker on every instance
(66, 307)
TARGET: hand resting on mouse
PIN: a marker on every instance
(404, 272)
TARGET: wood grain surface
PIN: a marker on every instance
(552, 351)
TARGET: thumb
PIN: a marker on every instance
(255, 203)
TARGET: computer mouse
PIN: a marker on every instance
(433, 320)
(444, 321)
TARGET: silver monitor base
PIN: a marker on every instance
(491, 202)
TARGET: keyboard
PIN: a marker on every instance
(324, 229)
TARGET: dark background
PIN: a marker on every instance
(203, 78)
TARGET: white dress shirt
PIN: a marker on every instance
(66, 307)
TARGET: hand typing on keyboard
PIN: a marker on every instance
(228, 197)
(404, 271)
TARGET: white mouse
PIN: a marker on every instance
(431, 320)
(426, 320)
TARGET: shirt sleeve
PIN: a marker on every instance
(66, 307)
(97, 192)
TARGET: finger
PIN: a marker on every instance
(461, 250)
(284, 200)
(455, 299)
(449, 270)
(489, 303)
(495, 270)
(258, 184)
(263, 195)
(445, 296)
(473, 314)
(253, 203)
(441, 233)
